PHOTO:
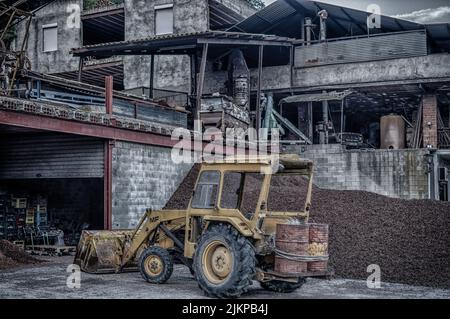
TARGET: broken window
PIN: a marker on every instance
(205, 195)
(50, 37)
(164, 19)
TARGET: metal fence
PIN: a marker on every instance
(363, 49)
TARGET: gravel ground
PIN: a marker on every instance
(48, 280)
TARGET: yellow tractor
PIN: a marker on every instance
(225, 236)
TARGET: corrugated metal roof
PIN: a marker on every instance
(175, 42)
(339, 17)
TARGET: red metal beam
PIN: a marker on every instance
(85, 129)
(109, 83)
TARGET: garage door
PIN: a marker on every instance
(50, 156)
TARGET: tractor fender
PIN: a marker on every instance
(236, 222)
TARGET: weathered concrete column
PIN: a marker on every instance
(430, 121)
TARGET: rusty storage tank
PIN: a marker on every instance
(318, 247)
(393, 132)
(292, 239)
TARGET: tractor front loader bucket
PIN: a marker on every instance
(100, 252)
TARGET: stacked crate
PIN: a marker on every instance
(40, 207)
(16, 218)
(3, 211)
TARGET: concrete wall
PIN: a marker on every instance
(274, 77)
(144, 177)
(68, 38)
(398, 174)
(431, 66)
(171, 73)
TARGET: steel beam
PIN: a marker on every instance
(244, 42)
(84, 129)
(152, 76)
(107, 181)
(201, 80)
(92, 130)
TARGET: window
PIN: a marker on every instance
(252, 187)
(164, 19)
(207, 189)
(50, 38)
(241, 191)
(231, 193)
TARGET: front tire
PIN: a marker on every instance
(156, 265)
(224, 262)
(281, 286)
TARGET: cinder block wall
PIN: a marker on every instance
(144, 176)
(397, 173)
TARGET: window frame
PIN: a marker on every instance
(162, 8)
(217, 199)
(239, 203)
(46, 27)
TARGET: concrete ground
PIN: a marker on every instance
(48, 280)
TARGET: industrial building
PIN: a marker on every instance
(370, 106)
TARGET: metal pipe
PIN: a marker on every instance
(201, 79)
(310, 121)
(269, 108)
(325, 120)
(152, 76)
(258, 94)
(323, 15)
(308, 27)
(342, 118)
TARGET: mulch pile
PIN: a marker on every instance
(408, 239)
(12, 256)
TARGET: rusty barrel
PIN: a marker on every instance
(318, 246)
(292, 239)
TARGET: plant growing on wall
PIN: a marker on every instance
(257, 4)
(93, 4)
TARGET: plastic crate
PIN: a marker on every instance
(19, 203)
(29, 219)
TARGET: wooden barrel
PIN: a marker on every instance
(292, 239)
(318, 246)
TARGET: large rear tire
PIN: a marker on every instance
(156, 265)
(281, 286)
(224, 262)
